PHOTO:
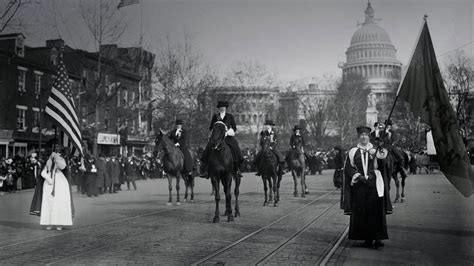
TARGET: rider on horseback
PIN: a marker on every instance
(229, 121)
(179, 136)
(268, 132)
(296, 138)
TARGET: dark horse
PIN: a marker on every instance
(394, 164)
(221, 169)
(173, 165)
(268, 167)
(297, 165)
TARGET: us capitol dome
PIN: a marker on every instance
(372, 56)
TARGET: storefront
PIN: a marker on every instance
(109, 144)
(6, 137)
(137, 146)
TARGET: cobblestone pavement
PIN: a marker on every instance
(136, 227)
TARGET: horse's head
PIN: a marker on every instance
(298, 145)
(218, 135)
(265, 143)
(159, 139)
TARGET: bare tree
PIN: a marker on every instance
(252, 76)
(180, 76)
(10, 14)
(350, 108)
(458, 78)
(106, 25)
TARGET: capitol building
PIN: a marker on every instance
(372, 56)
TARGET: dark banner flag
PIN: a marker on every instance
(424, 90)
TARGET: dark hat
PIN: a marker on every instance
(388, 122)
(338, 147)
(179, 122)
(296, 127)
(269, 122)
(376, 124)
(363, 129)
(222, 104)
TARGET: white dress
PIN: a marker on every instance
(56, 210)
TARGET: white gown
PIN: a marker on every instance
(56, 210)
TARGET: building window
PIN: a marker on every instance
(20, 121)
(124, 99)
(38, 76)
(106, 79)
(133, 98)
(36, 117)
(22, 79)
(96, 75)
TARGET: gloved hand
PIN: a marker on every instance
(230, 132)
(176, 144)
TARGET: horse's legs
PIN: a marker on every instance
(186, 185)
(397, 185)
(192, 188)
(403, 188)
(275, 190)
(303, 185)
(216, 185)
(236, 194)
(228, 197)
(295, 182)
(278, 188)
(170, 188)
(265, 189)
(178, 179)
(270, 189)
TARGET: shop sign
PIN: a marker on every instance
(108, 139)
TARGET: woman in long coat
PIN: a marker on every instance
(364, 197)
(91, 176)
(56, 209)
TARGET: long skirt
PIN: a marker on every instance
(368, 220)
(56, 210)
(35, 208)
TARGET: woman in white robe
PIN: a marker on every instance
(55, 209)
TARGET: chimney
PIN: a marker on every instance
(109, 51)
(58, 44)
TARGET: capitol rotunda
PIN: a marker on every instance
(372, 56)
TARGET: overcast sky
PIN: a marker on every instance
(295, 39)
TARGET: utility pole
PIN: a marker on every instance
(97, 86)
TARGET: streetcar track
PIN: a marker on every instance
(283, 244)
(114, 221)
(235, 243)
(335, 246)
(96, 248)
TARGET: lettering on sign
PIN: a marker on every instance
(109, 139)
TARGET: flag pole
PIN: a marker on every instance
(409, 61)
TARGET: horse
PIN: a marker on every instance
(268, 167)
(394, 163)
(221, 170)
(173, 165)
(297, 165)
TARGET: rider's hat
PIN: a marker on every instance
(222, 104)
(269, 122)
(388, 122)
(296, 127)
(376, 124)
(363, 129)
(179, 122)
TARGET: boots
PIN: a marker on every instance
(203, 171)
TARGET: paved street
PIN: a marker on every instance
(433, 226)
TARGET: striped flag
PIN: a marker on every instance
(61, 107)
(124, 3)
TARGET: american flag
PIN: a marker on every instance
(61, 106)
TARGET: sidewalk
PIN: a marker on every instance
(434, 226)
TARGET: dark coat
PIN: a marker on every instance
(114, 171)
(91, 178)
(294, 139)
(102, 173)
(361, 200)
(228, 120)
(182, 139)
